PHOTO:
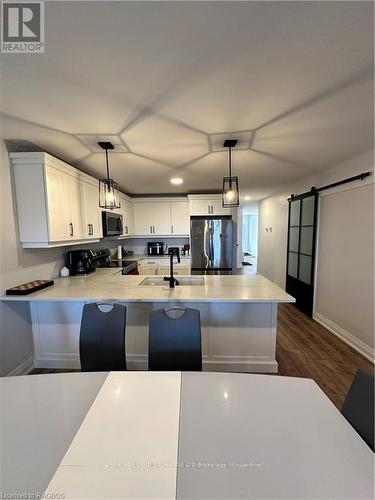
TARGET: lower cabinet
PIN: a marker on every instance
(161, 267)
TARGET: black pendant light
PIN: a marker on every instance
(108, 188)
(231, 196)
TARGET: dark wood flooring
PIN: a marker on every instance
(307, 349)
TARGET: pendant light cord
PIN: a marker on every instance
(106, 157)
(230, 167)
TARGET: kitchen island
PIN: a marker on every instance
(238, 317)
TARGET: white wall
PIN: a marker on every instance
(352, 202)
(345, 271)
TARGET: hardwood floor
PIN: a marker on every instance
(307, 349)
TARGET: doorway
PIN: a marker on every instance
(249, 237)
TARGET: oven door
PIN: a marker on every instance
(112, 224)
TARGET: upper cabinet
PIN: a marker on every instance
(161, 217)
(127, 216)
(207, 205)
(56, 203)
(92, 218)
(180, 220)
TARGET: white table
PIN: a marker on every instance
(173, 435)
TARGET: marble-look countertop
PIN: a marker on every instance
(110, 284)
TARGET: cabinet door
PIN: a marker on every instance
(127, 214)
(200, 207)
(180, 221)
(142, 219)
(58, 204)
(92, 215)
(161, 218)
(217, 208)
(76, 219)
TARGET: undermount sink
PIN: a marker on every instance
(183, 281)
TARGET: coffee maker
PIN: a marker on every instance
(81, 262)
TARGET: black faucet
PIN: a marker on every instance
(172, 280)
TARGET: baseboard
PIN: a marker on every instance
(359, 346)
(24, 368)
(140, 362)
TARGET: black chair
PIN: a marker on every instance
(358, 407)
(175, 340)
(102, 337)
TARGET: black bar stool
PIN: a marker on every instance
(358, 407)
(102, 337)
(175, 340)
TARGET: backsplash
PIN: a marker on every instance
(139, 245)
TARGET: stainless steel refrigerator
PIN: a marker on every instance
(211, 244)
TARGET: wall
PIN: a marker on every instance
(346, 212)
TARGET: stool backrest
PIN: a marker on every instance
(102, 337)
(175, 342)
(358, 407)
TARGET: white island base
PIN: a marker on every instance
(238, 317)
(237, 337)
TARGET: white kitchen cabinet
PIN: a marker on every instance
(58, 206)
(64, 207)
(50, 198)
(161, 267)
(180, 221)
(92, 215)
(76, 207)
(142, 219)
(148, 266)
(127, 216)
(152, 218)
(161, 217)
(207, 205)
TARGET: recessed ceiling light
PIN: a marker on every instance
(177, 181)
(247, 198)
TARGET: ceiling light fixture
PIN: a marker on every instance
(231, 196)
(108, 188)
(247, 198)
(177, 181)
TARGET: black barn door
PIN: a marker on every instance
(302, 223)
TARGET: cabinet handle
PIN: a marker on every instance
(89, 229)
(92, 230)
(172, 229)
(212, 209)
(71, 229)
(151, 229)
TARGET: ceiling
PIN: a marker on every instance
(167, 82)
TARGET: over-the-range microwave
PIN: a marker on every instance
(112, 224)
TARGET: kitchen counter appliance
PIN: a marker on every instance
(155, 248)
(112, 224)
(211, 244)
(81, 262)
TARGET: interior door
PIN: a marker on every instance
(302, 223)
